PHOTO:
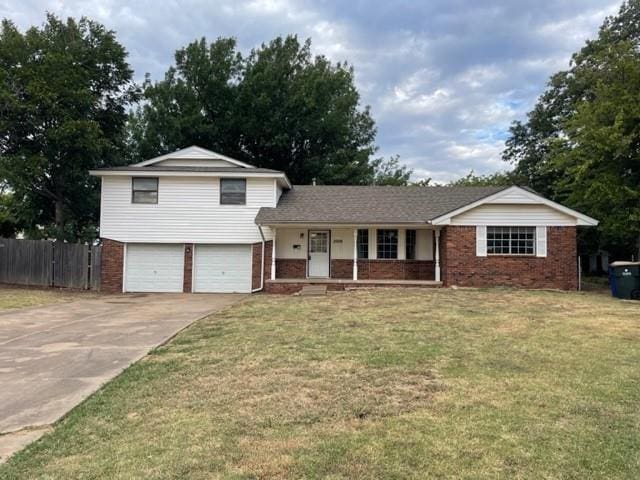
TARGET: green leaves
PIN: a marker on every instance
(64, 90)
(581, 142)
(280, 107)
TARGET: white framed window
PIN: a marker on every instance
(233, 191)
(387, 243)
(363, 244)
(511, 240)
(144, 190)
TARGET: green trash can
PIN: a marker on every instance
(624, 278)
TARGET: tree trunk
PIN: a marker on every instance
(59, 215)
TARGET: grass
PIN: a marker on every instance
(370, 384)
(15, 297)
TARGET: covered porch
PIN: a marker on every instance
(342, 256)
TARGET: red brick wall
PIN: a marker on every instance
(461, 266)
(188, 268)
(367, 269)
(342, 268)
(291, 268)
(256, 265)
(396, 270)
(111, 266)
(268, 253)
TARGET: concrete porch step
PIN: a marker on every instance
(313, 290)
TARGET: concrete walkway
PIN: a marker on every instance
(53, 357)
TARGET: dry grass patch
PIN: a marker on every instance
(16, 297)
(370, 384)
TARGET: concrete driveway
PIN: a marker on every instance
(52, 357)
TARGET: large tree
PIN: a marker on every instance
(581, 143)
(64, 91)
(280, 107)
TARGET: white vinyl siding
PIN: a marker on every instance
(222, 269)
(194, 162)
(289, 238)
(342, 243)
(424, 245)
(188, 211)
(154, 268)
(513, 215)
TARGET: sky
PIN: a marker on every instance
(444, 78)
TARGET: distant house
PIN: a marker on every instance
(197, 221)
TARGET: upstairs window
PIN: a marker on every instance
(233, 191)
(144, 190)
(410, 244)
(363, 244)
(511, 240)
(387, 243)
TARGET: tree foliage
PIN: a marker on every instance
(581, 143)
(497, 179)
(280, 107)
(64, 89)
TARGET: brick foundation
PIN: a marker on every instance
(291, 268)
(111, 266)
(287, 288)
(188, 268)
(396, 270)
(384, 269)
(461, 266)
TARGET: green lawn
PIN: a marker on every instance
(370, 384)
(15, 297)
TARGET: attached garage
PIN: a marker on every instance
(222, 269)
(154, 267)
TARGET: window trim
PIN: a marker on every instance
(244, 203)
(134, 190)
(510, 240)
(415, 244)
(379, 244)
(359, 243)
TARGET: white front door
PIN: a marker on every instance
(319, 253)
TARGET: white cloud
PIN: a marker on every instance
(444, 79)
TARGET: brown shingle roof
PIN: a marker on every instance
(369, 204)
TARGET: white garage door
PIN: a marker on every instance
(154, 268)
(222, 268)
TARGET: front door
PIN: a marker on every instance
(319, 253)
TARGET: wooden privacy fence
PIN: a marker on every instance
(50, 264)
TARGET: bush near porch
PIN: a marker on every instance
(370, 384)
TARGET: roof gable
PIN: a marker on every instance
(516, 195)
(193, 156)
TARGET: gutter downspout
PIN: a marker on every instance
(261, 263)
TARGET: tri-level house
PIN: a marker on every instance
(198, 221)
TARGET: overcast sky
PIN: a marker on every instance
(444, 78)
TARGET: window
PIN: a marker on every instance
(387, 243)
(410, 244)
(144, 190)
(511, 240)
(233, 191)
(363, 244)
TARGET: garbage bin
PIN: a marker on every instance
(624, 278)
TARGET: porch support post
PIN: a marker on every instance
(273, 256)
(355, 254)
(437, 269)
